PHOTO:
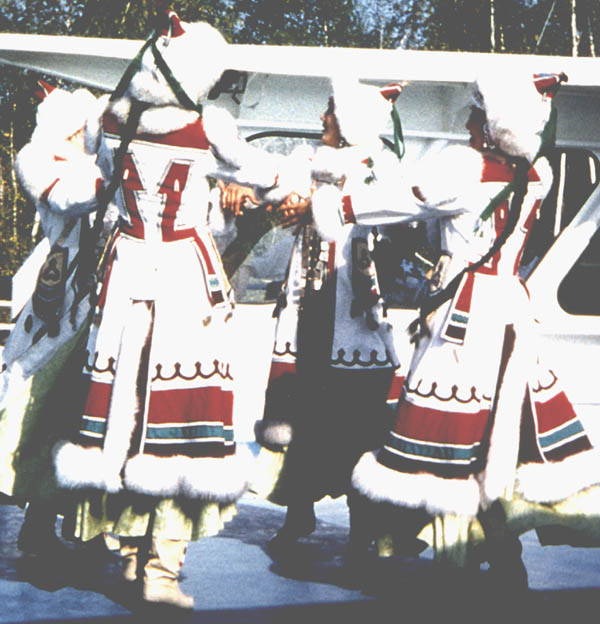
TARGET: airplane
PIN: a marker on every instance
(278, 98)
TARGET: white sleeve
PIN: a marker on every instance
(75, 189)
(65, 186)
(236, 160)
(440, 180)
(332, 208)
(293, 175)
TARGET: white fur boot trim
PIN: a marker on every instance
(273, 432)
(553, 481)
(212, 478)
(436, 495)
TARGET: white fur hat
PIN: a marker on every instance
(62, 113)
(196, 54)
(517, 108)
(362, 111)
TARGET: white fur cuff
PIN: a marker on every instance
(273, 432)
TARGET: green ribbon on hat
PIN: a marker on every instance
(182, 97)
(133, 67)
(399, 148)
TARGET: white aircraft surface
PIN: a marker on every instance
(278, 101)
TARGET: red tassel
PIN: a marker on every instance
(391, 91)
(45, 91)
(548, 84)
(173, 27)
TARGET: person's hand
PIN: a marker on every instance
(234, 197)
(294, 209)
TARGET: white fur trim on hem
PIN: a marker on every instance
(434, 494)
(554, 481)
(79, 467)
(273, 432)
(213, 478)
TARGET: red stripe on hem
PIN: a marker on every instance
(98, 400)
(188, 405)
(554, 412)
(281, 368)
(440, 427)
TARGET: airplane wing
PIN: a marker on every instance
(100, 62)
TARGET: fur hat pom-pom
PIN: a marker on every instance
(197, 55)
(516, 112)
(62, 113)
(362, 111)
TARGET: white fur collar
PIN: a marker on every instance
(156, 119)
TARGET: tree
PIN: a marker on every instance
(560, 27)
(298, 22)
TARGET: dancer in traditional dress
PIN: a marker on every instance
(483, 423)
(334, 357)
(58, 171)
(155, 457)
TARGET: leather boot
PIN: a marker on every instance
(129, 549)
(503, 551)
(161, 574)
(299, 522)
(37, 535)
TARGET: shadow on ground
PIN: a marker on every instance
(234, 580)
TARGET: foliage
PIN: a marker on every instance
(474, 25)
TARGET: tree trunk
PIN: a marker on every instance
(574, 31)
(590, 31)
(13, 175)
(492, 27)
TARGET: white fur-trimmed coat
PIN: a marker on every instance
(446, 454)
(158, 418)
(63, 182)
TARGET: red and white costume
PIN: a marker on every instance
(63, 182)
(477, 424)
(158, 415)
(437, 455)
(334, 355)
(348, 342)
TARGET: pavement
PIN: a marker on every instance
(234, 580)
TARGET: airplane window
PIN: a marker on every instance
(577, 293)
(405, 256)
(576, 173)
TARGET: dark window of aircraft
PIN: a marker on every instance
(578, 292)
(576, 174)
